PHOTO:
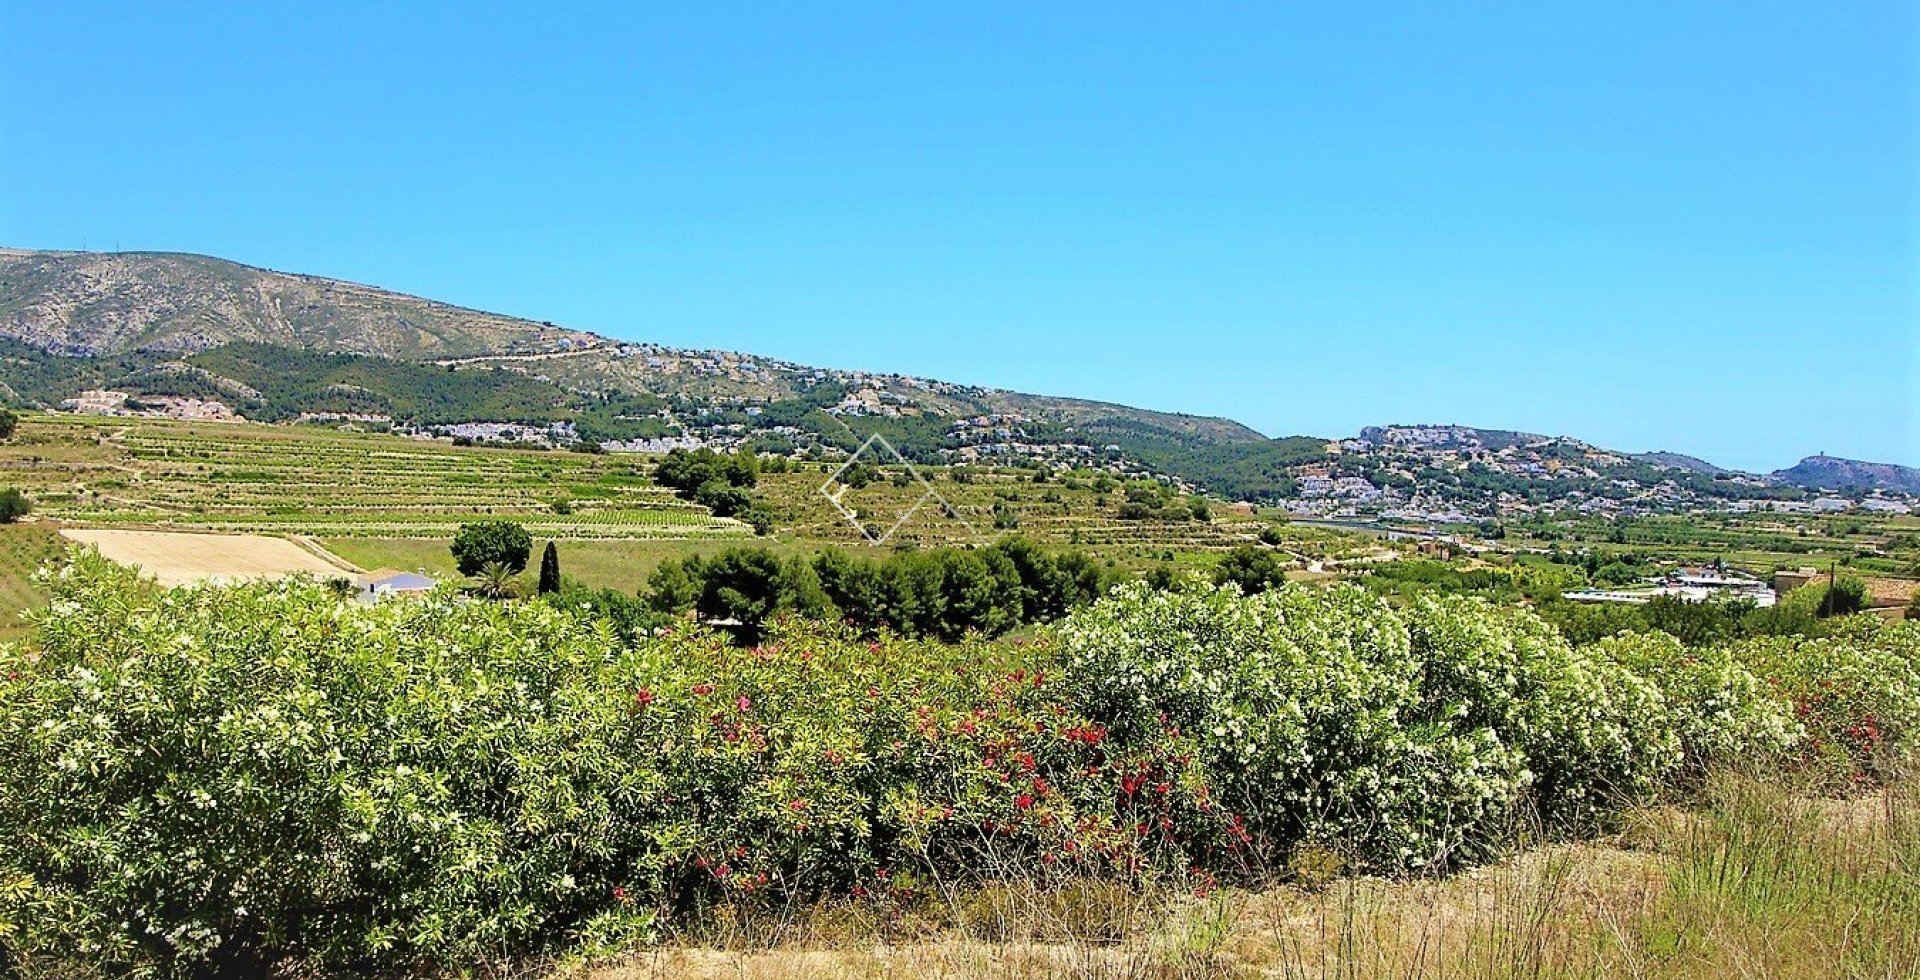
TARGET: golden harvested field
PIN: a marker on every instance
(175, 558)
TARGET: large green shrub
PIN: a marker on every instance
(1308, 709)
(1721, 711)
(483, 543)
(1411, 735)
(268, 776)
(230, 778)
(1588, 730)
(1856, 692)
(14, 505)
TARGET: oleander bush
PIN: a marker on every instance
(230, 781)
(1855, 693)
(234, 777)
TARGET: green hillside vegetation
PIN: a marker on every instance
(24, 549)
(293, 381)
(1241, 471)
(31, 376)
(270, 382)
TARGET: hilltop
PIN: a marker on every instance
(1825, 472)
(94, 304)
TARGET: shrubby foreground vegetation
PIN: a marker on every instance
(228, 780)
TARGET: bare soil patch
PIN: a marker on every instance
(176, 558)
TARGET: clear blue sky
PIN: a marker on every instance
(1650, 225)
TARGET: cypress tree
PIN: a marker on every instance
(549, 570)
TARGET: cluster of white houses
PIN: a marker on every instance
(1688, 585)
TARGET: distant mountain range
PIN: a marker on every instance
(278, 346)
(157, 307)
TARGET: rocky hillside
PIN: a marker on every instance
(1692, 464)
(145, 307)
(1833, 473)
(103, 303)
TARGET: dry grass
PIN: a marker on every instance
(24, 548)
(1751, 881)
(175, 558)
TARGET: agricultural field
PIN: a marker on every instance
(382, 501)
(989, 504)
(259, 479)
(1883, 545)
(1882, 551)
(179, 558)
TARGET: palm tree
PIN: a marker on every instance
(495, 580)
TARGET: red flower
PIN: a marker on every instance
(744, 703)
(703, 689)
(1025, 802)
(644, 696)
(796, 805)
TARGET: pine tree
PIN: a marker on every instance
(549, 570)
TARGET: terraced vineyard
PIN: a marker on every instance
(382, 501)
(1061, 511)
(115, 472)
(323, 483)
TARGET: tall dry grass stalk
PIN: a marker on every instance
(1750, 878)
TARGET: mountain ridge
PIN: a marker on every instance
(97, 303)
(178, 304)
(177, 317)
